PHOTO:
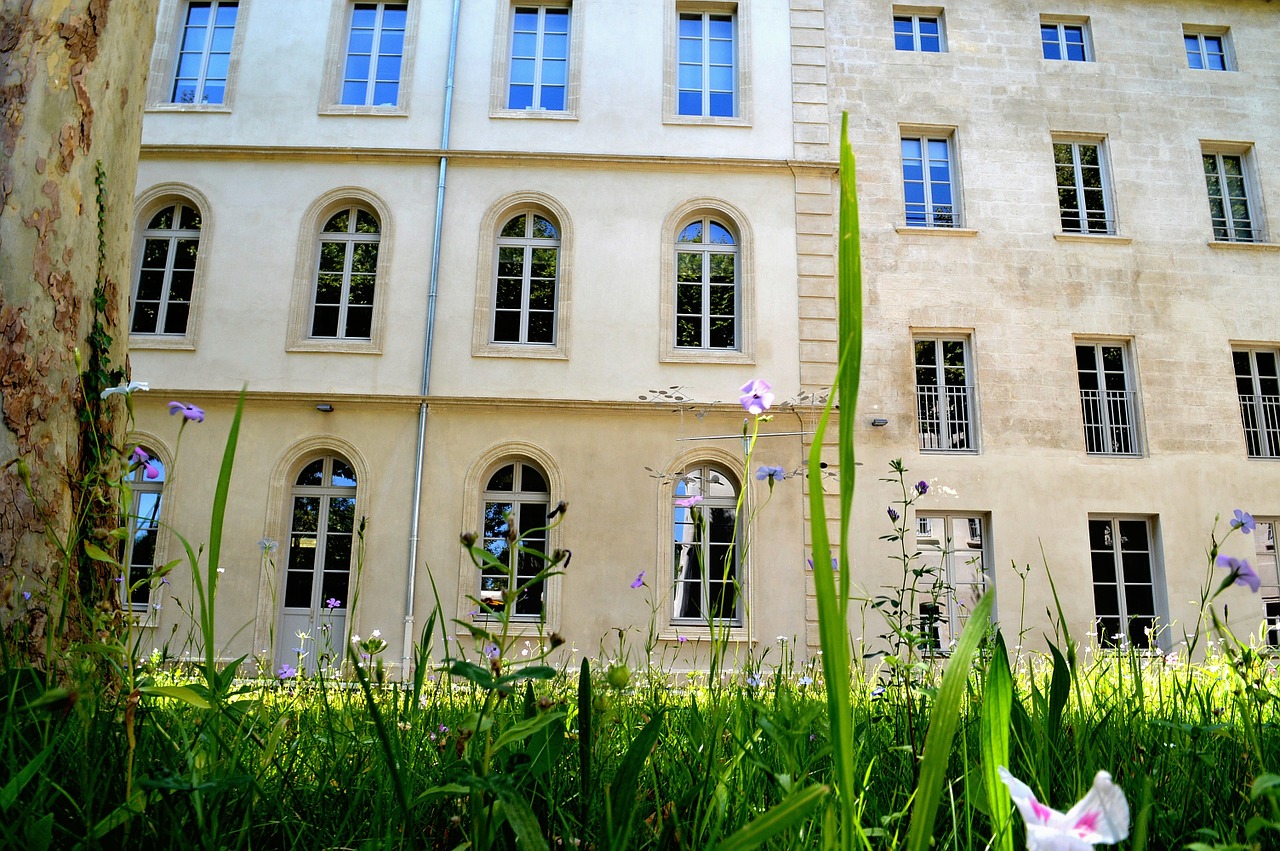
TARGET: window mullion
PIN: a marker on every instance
(706, 287)
(706, 63)
(166, 283)
(526, 289)
(348, 259)
(375, 50)
(539, 35)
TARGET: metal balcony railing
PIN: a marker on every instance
(945, 415)
(1110, 427)
(1261, 418)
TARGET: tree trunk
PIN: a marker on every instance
(71, 100)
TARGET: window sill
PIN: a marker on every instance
(712, 120)
(938, 451)
(1131, 456)
(545, 114)
(224, 108)
(162, 342)
(1108, 238)
(501, 350)
(700, 634)
(522, 629)
(351, 347)
(706, 356)
(936, 231)
(376, 111)
(1245, 246)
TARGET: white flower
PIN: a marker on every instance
(377, 633)
(355, 639)
(125, 389)
(1101, 816)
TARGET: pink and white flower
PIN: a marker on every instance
(1102, 816)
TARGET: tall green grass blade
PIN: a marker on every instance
(584, 737)
(184, 693)
(384, 739)
(523, 729)
(522, 820)
(1059, 692)
(943, 719)
(217, 516)
(9, 793)
(789, 813)
(622, 791)
(833, 604)
(993, 741)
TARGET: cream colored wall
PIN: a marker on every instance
(1025, 296)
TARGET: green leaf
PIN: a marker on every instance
(473, 672)
(445, 791)
(943, 719)
(39, 833)
(993, 741)
(1263, 785)
(522, 820)
(788, 813)
(533, 672)
(522, 729)
(1059, 692)
(9, 793)
(98, 554)
(184, 693)
(623, 788)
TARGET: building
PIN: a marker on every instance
(532, 263)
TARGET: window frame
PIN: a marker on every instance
(946, 425)
(302, 301)
(1268, 569)
(498, 214)
(1132, 402)
(1110, 219)
(145, 206)
(1200, 33)
(1159, 639)
(147, 615)
(1252, 199)
(737, 224)
(1061, 23)
(947, 568)
(336, 54)
(923, 136)
(518, 498)
(500, 75)
(914, 15)
(740, 13)
(474, 487)
(170, 29)
(1263, 408)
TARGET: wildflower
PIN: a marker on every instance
(125, 389)
(1101, 816)
(189, 412)
(922, 487)
(771, 474)
(267, 545)
(805, 680)
(893, 515)
(1243, 521)
(377, 633)
(287, 672)
(303, 635)
(756, 396)
(333, 602)
(143, 460)
(753, 680)
(638, 581)
(876, 692)
(835, 563)
(688, 501)
(1242, 573)
(491, 650)
(679, 638)
(782, 639)
(26, 595)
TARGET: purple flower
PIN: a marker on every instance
(756, 396)
(805, 681)
(922, 487)
(753, 680)
(142, 459)
(835, 563)
(26, 595)
(773, 474)
(688, 501)
(1102, 816)
(189, 412)
(893, 515)
(491, 650)
(333, 602)
(1244, 521)
(287, 672)
(1241, 572)
(638, 581)
(680, 638)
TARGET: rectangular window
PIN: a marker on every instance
(929, 182)
(1258, 386)
(204, 56)
(1207, 51)
(539, 74)
(1066, 40)
(919, 33)
(706, 65)
(1227, 178)
(1264, 541)
(955, 573)
(1126, 591)
(1107, 399)
(1084, 193)
(944, 394)
(373, 54)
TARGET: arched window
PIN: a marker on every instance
(708, 306)
(525, 280)
(145, 482)
(516, 492)
(709, 585)
(320, 536)
(166, 274)
(346, 275)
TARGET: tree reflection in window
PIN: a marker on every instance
(708, 580)
(320, 536)
(707, 299)
(516, 492)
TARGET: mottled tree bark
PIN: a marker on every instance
(71, 98)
